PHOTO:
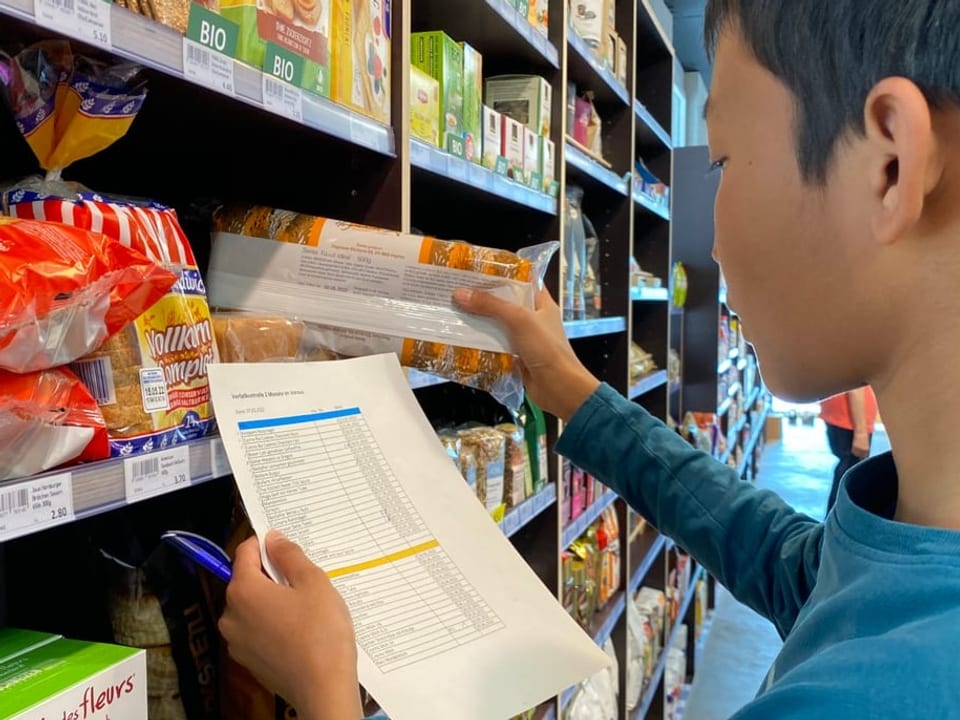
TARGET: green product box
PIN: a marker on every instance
(49, 676)
(472, 102)
(442, 59)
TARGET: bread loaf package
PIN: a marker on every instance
(151, 378)
(47, 419)
(363, 291)
(253, 338)
(64, 291)
(489, 447)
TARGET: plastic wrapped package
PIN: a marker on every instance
(64, 292)
(517, 480)
(363, 291)
(596, 699)
(574, 257)
(150, 379)
(489, 447)
(637, 650)
(47, 419)
(469, 468)
(452, 444)
(243, 337)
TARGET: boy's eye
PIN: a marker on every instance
(718, 166)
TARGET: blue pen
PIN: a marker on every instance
(201, 551)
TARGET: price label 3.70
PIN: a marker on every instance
(35, 504)
(156, 473)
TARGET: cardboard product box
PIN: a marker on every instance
(492, 137)
(543, 18)
(48, 677)
(620, 67)
(528, 99)
(472, 102)
(360, 56)
(522, 6)
(531, 155)
(548, 162)
(424, 106)
(593, 20)
(440, 57)
(532, 10)
(609, 56)
(512, 138)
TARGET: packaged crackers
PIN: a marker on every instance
(363, 291)
(489, 447)
(150, 379)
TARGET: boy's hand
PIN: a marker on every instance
(555, 379)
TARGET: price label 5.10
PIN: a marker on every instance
(35, 504)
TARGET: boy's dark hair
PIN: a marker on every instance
(831, 53)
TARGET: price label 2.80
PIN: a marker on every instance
(156, 473)
(35, 504)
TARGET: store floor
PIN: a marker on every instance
(741, 645)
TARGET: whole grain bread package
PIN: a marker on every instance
(151, 378)
(362, 291)
(47, 419)
(65, 291)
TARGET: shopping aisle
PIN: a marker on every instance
(742, 645)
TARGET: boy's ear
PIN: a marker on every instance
(904, 166)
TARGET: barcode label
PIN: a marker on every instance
(282, 98)
(145, 467)
(156, 474)
(15, 501)
(153, 389)
(198, 56)
(207, 67)
(35, 504)
(97, 375)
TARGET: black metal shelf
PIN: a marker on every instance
(586, 70)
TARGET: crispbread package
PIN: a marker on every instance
(64, 291)
(362, 291)
(47, 419)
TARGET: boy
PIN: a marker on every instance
(837, 127)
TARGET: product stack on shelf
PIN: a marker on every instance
(193, 164)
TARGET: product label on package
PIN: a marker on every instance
(87, 20)
(157, 473)
(495, 471)
(502, 166)
(36, 504)
(153, 388)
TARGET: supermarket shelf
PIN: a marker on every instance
(651, 692)
(99, 487)
(648, 384)
(752, 442)
(642, 200)
(577, 329)
(589, 168)
(650, 294)
(493, 27)
(526, 511)
(649, 130)
(586, 70)
(676, 386)
(434, 160)
(643, 569)
(605, 622)
(419, 379)
(578, 526)
(156, 46)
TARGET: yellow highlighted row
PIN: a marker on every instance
(385, 560)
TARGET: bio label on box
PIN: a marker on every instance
(492, 134)
(472, 102)
(45, 676)
(442, 59)
(525, 98)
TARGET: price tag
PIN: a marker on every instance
(510, 524)
(282, 98)
(219, 465)
(207, 67)
(93, 22)
(156, 473)
(525, 511)
(480, 177)
(504, 8)
(59, 15)
(36, 504)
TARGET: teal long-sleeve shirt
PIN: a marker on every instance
(869, 608)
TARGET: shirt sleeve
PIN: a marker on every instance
(762, 550)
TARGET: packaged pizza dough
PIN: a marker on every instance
(151, 378)
(64, 291)
(47, 419)
(363, 291)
